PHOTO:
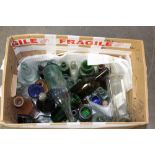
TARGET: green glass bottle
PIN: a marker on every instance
(85, 113)
(58, 115)
(75, 101)
(85, 70)
(65, 68)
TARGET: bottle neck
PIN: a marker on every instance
(104, 72)
(18, 101)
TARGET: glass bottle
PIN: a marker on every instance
(86, 70)
(43, 119)
(23, 106)
(65, 68)
(34, 90)
(97, 117)
(42, 83)
(61, 97)
(85, 113)
(53, 76)
(27, 74)
(21, 118)
(45, 103)
(58, 115)
(87, 85)
(118, 94)
(74, 71)
(57, 88)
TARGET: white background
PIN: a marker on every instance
(69, 12)
(77, 12)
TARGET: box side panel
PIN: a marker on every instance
(86, 125)
(139, 102)
(10, 69)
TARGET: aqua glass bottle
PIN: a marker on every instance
(28, 74)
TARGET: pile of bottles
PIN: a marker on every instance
(60, 92)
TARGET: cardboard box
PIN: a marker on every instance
(20, 46)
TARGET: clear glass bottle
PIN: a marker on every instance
(74, 70)
(118, 95)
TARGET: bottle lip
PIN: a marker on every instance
(42, 83)
(34, 90)
(18, 101)
(73, 65)
(87, 117)
(96, 100)
(86, 69)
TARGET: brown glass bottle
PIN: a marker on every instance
(23, 106)
(87, 85)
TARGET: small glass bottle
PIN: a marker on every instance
(75, 101)
(27, 74)
(118, 94)
(58, 115)
(34, 90)
(65, 68)
(101, 68)
(69, 81)
(42, 83)
(85, 70)
(23, 106)
(45, 103)
(85, 113)
(74, 70)
(21, 118)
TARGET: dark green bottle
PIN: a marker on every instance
(45, 103)
(85, 70)
(58, 115)
(65, 68)
(75, 101)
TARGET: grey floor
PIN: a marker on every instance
(147, 34)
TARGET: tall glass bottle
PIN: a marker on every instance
(58, 89)
(118, 95)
